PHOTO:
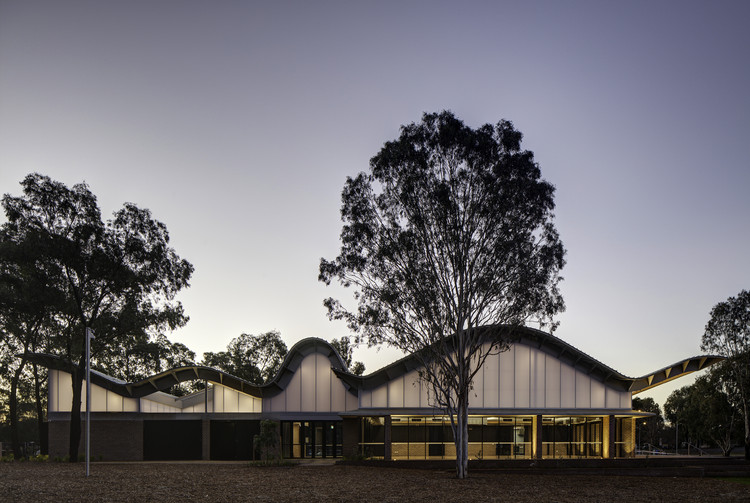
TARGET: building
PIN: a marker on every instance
(542, 398)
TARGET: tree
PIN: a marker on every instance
(727, 333)
(705, 411)
(118, 277)
(345, 349)
(652, 425)
(254, 358)
(449, 243)
(145, 358)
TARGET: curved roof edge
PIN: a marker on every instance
(543, 341)
(679, 369)
(555, 347)
(165, 380)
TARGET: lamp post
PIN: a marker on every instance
(89, 336)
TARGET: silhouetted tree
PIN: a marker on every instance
(705, 410)
(653, 425)
(255, 358)
(345, 349)
(451, 230)
(118, 277)
(728, 334)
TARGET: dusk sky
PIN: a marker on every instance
(236, 124)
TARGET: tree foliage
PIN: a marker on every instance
(345, 349)
(450, 231)
(651, 426)
(255, 358)
(706, 412)
(118, 277)
(727, 334)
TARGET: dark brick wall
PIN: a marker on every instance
(350, 433)
(111, 440)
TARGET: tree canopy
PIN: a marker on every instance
(705, 410)
(118, 277)
(345, 349)
(449, 232)
(255, 358)
(727, 334)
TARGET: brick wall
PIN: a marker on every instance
(111, 440)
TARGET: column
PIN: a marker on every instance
(206, 439)
(387, 437)
(537, 437)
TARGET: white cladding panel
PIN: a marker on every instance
(567, 386)
(230, 400)
(396, 392)
(307, 383)
(538, 379)
(151, 406)
(597, 394)
(323, 375)
(552, 381)
(490, 371)
(522, 377)
(313, 388)
(412, 390)
(102, 400)
(507, 375)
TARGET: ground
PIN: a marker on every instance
(217, 482)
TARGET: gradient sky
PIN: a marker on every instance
(237, 123)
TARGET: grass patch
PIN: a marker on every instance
(740, 480)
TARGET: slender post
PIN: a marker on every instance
(676, 438)
(89, 336)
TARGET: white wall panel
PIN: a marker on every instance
(567, 386)
(365, 399)
(523, 373)
(218, 394)
(292, 394)
(307, 382)
(583, 391)
(396, 392)
(598, 393)
(507, 376)
(538, 381)
(411, 389)
(130, 405)
(323, 376)
(552, 383)
(380, 396)
(490, 380)
(352, 401)
(338, 395)
(114, 402)
(65, 392)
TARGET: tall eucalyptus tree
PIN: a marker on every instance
(449, 243)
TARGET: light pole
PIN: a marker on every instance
(89, 336)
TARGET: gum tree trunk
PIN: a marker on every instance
(13, 406)
(462, 453)
(75, 415)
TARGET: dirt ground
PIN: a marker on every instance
(216, 482)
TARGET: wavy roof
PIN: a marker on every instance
(531, 337)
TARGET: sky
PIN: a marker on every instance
(236, 123)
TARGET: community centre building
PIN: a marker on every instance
(542, 398)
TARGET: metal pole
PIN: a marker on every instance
(89, 336)
(676, 438)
